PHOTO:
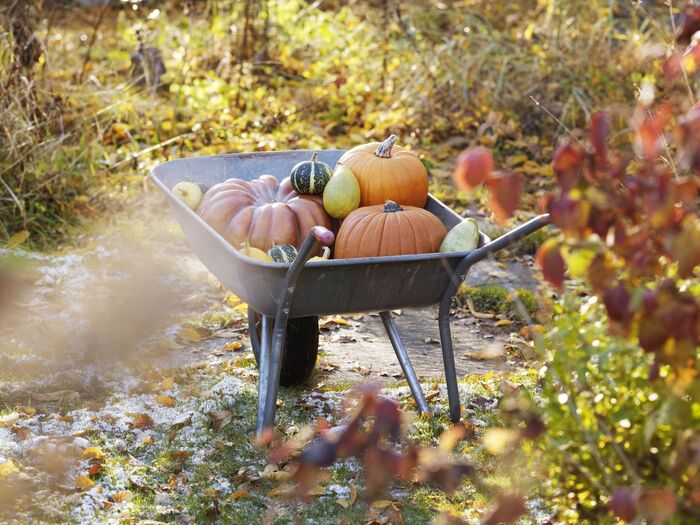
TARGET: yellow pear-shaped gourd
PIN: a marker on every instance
(342, 193)
(255, 253)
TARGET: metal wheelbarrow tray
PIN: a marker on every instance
(279, 292)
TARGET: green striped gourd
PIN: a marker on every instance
(310, 177)
(284, 253)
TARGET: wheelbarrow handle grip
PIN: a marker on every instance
(323, 235)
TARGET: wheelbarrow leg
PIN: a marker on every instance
(264, 373)
(253, 333)
(413, 383)
(448, 359)
(273, 334)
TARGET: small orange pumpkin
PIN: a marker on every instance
(376, 231)
(386, 171)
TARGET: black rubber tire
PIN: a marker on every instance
(300, 349)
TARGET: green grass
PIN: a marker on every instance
(497, 299)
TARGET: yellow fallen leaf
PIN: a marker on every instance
(18, 238)
(381, 503)
(241, 309)
(122, 495)
(165, 401)
(233, 346)
(239, 494)
(84, 483)
(232, 300)
(142, 421)
(189, 334)
(504, 322)
(343, 503)
(168, 383)
(94, 453)
(318, 490)
(285, 489)
(7, 468)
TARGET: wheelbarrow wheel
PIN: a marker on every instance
(300, 347)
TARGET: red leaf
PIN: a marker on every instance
(658, 505)
(689, 25)
(504, 190)
(571, 215)
(552, 263)
(617, 302)
(600, 273)
(598, 135)
(566, 162)
(672, 66)
(650, 133)
(508, 509)
(624, 503)
(473, 166)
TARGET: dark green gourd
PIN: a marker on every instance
(310, 176)
(284, 253)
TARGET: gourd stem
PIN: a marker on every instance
(313, 156)
(391, 206)
(384, 149)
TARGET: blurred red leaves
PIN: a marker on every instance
(371, 432)
(476, 166)
(508, 508)
(655, 505)
(549, 258)
(473, 166)
(644, 214)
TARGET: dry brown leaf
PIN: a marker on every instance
(233, 346)
(122, 495)
(504, 322)
(142, 421)
(220, 418)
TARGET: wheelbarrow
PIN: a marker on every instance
(284, 300)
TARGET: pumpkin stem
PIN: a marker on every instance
(391, 206)
(384, 149)
(313, 156)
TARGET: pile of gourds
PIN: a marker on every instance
(378, 191)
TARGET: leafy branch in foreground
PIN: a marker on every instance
(371, 433)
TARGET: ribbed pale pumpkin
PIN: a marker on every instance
(264, 211)
(386, 171)
(381, 230)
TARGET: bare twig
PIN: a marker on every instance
(93, 38)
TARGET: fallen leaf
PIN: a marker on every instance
(168, 383)
(166, 401)
(142, 421)
(381, 504)
(233, 346)
(18, 238)
(8, 420)
(84, 483)
(95, 453)
(239, 494)
(220, 418)
(189, 334)
(122, 495)
(503, 322)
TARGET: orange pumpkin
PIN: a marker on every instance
(386, 171)
(264, 212)
(388, 229)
